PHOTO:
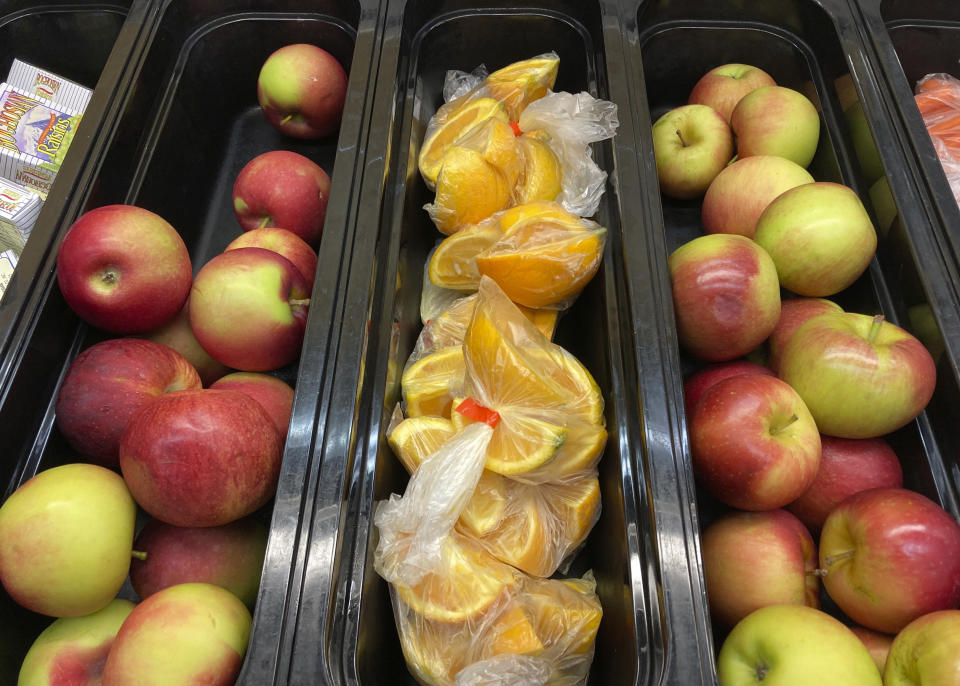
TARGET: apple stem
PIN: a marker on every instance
(300, 301)
(845, 555)
(286, 119)
(680, 136)
(265, 223)
(777, 429)
(139, 554)
(875, 327)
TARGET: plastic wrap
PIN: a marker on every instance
(573, 122)
(539, 254)
(938, 98)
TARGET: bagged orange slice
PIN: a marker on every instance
(541, 178)
(520, 83)
(430, 382)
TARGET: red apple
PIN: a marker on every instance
(284, 190)
(741, 192)
(178, 335)
(229, 556)
(726, 297)
(819, 236)
(287, 243)
(890, 555)
(877, 644)
(860, 376)
(107, 383)
(274, 395)
(755, 559)
(754, 444)
(926, 651)
(248, 309)
(793, 313)
(722, 87)
(301, 90)
(123, 269)
(772, 120)
(695, 385)
(185, 634)
(201, 458)
(847, 466)
(691, 145)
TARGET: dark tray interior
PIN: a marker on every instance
(431, 38)
(799, 44)
(188, 126)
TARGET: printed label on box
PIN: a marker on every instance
(19, 208)
(8, 262)
(49, 86)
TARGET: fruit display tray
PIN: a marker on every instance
(178, 119)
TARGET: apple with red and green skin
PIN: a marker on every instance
(754, 444)
(178, 335)
(926, 651)
(123, 269)
(726, 297)
(107, 383)
(755, 559)
(248, 309)
(877, 644)
(819, 236)
(72, 651)
(691, 144)
(742, 191)
(793, 313)
(301, 90)
(287, 243)
(695, 385)
(273, 394)
(847, 466)
(794, 645)
(888, 556)
(186, 634)
(229, 556)
(722, 87)
(66, 537)
(860, 376)
(285, 190)
(773, 120)
(201, 458)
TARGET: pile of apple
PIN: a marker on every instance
(796, 446)
(198, 447)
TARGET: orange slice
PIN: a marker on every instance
(520, 83)
(566, 613)
(469, 189)
(512, 633)
(541, 264)
(541, 178)
(429, 383)
(544, 210)
(468, 582)
(451, 121)
(522, 540)
(449, 327)
(577, 503)
(499, 146)
(416, 438)
(454, 262)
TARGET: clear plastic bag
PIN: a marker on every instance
(573, 122)
(938, 99)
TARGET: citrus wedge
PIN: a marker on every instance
(541, 264)
(416, 438)
(469, 189)
(499, 146)
(541, 178)
(577, 503)
(454, 262)
(521, 539)
(520, 83)
(449, 327)
(451, 121)
(545, 210)
(429, 383)
(513, 633)
(468, 582)
(565, 613)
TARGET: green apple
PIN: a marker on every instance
(773, 120)
(794, 645)
(691, 144)
(819, 236)
(926, 651)
(72, 651)
(185, 634)
(65, 540)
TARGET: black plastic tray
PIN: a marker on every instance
(186, 123)
(422, 41)
(807, 46)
